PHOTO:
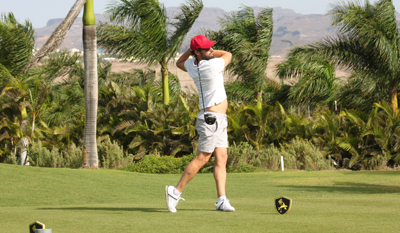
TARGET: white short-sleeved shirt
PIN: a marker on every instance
(212, 80)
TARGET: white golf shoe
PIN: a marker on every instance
(224, 205)
(172, 199)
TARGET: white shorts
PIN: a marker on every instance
(212, 136)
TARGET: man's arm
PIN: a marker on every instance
(227, 56)
(181, 61)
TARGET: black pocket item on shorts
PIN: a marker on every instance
(209, 118)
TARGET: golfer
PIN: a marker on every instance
(206, 69)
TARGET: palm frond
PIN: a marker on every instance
(184, 22)
(60, 64)
(317, 82)
(240, 91)
(127, 43)
(16, 44)
(374, 26)
(5, 77)
(141, 31)
(249, 39)
(361, 90)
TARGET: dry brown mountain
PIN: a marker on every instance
(290, 28)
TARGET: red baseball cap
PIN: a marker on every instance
(201, 42)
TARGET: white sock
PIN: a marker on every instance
(221, 198)
(176, 192)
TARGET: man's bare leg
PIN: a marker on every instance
(192, 168)
(221, 157)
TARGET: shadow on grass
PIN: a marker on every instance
(154, 210)
(348, 187)
(394, 173)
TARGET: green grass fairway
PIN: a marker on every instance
(76, 200)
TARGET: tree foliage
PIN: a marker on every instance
(248, 38)
(316, 79)
(132, 118)
(368, 43)
(16, 45)
(142, 31)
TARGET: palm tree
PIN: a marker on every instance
(14, 116)
(328, 128)
(37, 98)
(89, 156)
(249, 39)
(385, 129)
(63, 119)
(90, 61)
(16, 45)
(143, 32)
(257, 124)
(368, 43)
(317, 82)
(16, 61)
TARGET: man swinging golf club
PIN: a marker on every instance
(206, 69)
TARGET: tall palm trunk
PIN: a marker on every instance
(164, 73)
(24, 142)
(89, 156)
(259, 99)
(393, 98)
(24, 148)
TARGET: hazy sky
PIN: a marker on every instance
(40, 11)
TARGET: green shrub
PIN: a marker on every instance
(42, 157)
(73, 157)
(376, 162)
(160, 164)
(270, 158)
(111, 154)
(237, 162)
(303, 155)
(242, 158)
(242, 168)
(299, 154)
(11, 159)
